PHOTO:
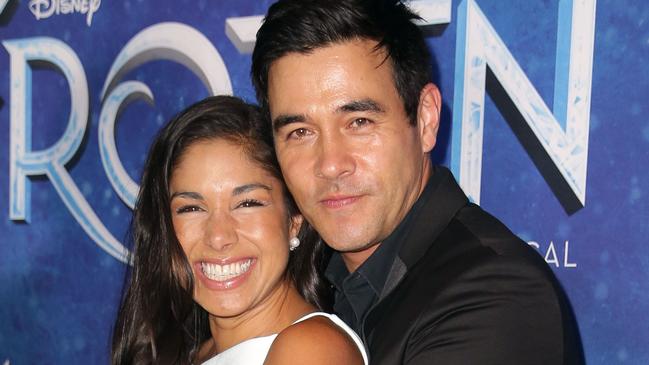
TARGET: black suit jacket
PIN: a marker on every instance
(465, 290)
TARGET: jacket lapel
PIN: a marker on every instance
(441, 200)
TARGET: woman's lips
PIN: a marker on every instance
(224, 275)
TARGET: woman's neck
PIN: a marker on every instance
(271, 316)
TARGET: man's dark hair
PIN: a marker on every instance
(304, 25)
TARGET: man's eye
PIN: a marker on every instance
(188, 209)
(249, 203)
(360, 122)
(299, 133)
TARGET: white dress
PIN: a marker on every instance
(254, 350)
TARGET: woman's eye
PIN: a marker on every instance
(249, 203)
(188, 209)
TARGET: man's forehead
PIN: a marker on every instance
(337, 51)
(337, 67)
(339, 78)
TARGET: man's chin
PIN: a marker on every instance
(349, 243)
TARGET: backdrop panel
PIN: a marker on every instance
(544, 124)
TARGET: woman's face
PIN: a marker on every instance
(232, 223)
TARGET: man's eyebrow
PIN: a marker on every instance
(249, 187)
(282, 120)
(187, 194)
(363, 105)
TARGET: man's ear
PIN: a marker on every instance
(295, 225)
(428, 113)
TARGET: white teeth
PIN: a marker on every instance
(225, 272)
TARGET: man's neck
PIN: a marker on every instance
(353, 260)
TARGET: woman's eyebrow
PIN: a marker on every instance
(187, 194)
(249, 187)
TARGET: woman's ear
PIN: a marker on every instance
(295, 225)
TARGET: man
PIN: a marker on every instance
(424, 276)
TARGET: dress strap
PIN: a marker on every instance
(311, 315)
(340, 323)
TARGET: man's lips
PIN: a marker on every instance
(340, 201)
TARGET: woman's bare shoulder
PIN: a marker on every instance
(316, 340)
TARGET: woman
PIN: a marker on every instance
(225, 271)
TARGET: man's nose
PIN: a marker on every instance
(334, 159)
(221, 231)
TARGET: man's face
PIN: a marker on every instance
(348, 152)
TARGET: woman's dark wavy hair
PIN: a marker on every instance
(301, 26)
(158, 320)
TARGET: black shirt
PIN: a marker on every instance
(355, 293)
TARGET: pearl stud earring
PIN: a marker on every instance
(293, 243)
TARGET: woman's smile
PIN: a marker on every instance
(226, 275)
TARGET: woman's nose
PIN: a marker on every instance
(220, 232)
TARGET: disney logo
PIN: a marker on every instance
(43, 9)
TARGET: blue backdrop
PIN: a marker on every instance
(555, 146)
